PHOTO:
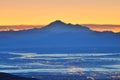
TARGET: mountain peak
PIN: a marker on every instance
(58, 22)
(60, 27)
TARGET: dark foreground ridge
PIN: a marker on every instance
(6, 76)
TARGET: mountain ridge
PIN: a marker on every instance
(60, 37)
(56, 22)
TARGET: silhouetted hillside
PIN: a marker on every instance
(5, 76)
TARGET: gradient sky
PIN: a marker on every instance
(42, 12)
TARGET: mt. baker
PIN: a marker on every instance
(58, 37)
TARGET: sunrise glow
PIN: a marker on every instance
(42, 12)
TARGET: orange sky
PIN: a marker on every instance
(13, 12)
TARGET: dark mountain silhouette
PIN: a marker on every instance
(6, 76)
(60, 37)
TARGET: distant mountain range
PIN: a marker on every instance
(94, 27)
(18, 27)
(59, 37)
(104, 27)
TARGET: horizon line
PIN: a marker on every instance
(49, 23)
(23, 24)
